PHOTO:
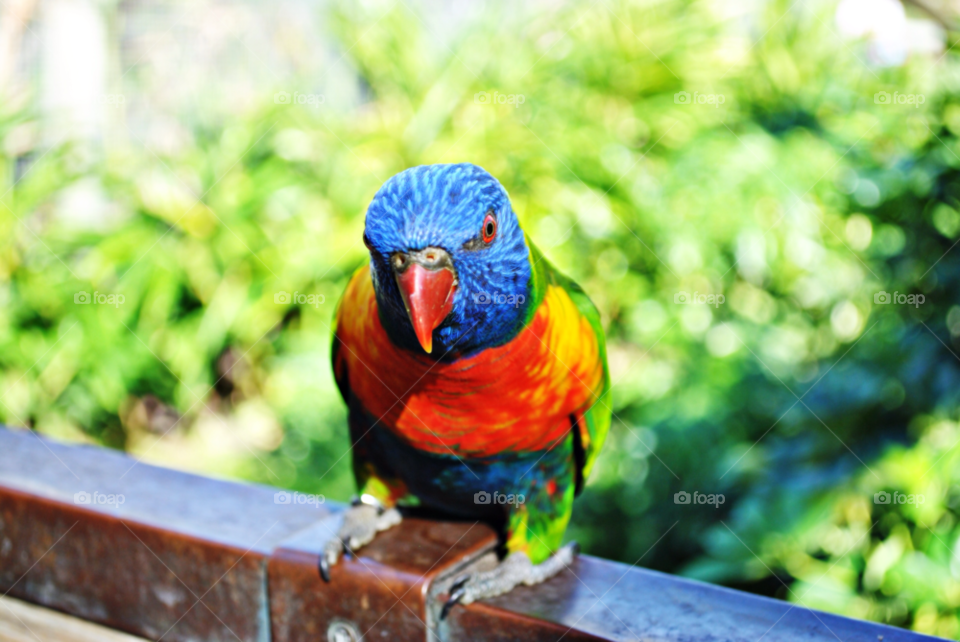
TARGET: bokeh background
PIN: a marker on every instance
(179, 165)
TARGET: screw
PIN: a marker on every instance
(342, 631)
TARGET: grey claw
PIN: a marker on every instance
(457, 591)
(460, 581)
(513, 571)
(455, 596)
(360, 524)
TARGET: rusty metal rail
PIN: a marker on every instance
(183, 557)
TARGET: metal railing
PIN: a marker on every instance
(174, 556)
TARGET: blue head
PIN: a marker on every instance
(449, 263)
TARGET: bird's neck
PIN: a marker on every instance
(486, 313)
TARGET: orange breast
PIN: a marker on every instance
(516, 397)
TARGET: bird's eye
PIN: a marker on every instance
(366, 241)
(489, 231)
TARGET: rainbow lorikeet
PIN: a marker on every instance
(472, 370)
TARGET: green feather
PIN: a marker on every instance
(598, 417)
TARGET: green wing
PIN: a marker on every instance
(594, 424)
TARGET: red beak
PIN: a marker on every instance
(428, 296)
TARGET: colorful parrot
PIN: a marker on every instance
(473, 372)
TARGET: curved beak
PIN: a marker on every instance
(427, 282)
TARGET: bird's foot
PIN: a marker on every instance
(361, 522)
(516, 569)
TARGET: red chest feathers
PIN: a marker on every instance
(517, 397)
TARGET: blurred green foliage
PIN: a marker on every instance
(799, 198)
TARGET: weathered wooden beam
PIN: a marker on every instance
(183, 557)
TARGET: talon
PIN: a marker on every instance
(328, 557)
(455, 597)
(360, 524)
(463, 579)
(513, 571)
